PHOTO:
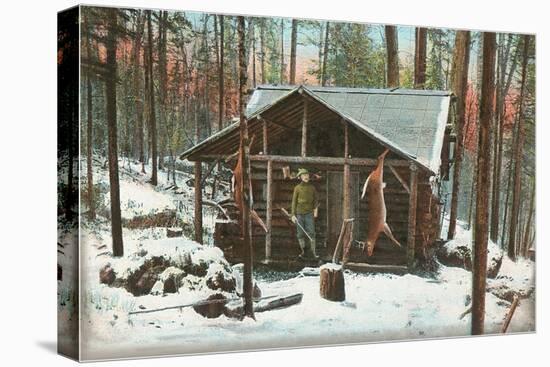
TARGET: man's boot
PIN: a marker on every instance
(313, 249)
(302, 243)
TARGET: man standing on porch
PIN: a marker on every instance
(304, 211)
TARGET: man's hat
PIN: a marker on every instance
(301, 171)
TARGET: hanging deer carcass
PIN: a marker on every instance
(374, 190)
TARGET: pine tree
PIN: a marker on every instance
(111, 114)
(481, 232)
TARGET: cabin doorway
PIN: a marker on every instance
(335, 202)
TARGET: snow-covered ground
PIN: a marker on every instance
(378, 307)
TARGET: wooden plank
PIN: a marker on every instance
(412, 216)
(304, 130)
(265, 137)
(330, 161)
(198, 202)
(269, 210)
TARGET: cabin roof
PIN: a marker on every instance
(409, 122)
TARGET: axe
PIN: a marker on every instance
(297, 223)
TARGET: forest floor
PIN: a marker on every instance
(378, 307)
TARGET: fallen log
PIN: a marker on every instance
(195, 304)
(235, 309)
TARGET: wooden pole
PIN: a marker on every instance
(269, 210)
(198, 202)
(304, 130)
(510, 314)
(411, 233)
(335, 161)
(265, 136)
(346, 207)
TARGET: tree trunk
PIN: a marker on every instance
(459, 86)
(393, 59)
(482, 200)
(293, 39)
(111, 116)
(325, 56)
(262, 49)
(518, 154)
(502, 91)
(529, 220)
(246, 197)
(420, 58)
(147, 101)
(498, 173)
(221, 76)
(89, 129)
(152, 117)
(163, 85)
(253, 42)
(282, 77)
(137, 86)
(332, 285)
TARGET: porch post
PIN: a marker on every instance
(269, 210)
(346, 207)
(264, 122)
(411, 233)
(304, 130)
(198, 202)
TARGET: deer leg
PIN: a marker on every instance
(388, 233)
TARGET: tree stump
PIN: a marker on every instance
(332, 285)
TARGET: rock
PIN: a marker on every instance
(107, 275)
(141, 281)
(212, 307)
(171, 279)
(460, 255)
(158, 288)
(218, 278)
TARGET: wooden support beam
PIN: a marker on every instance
(304, 130)
(346, 207)
(411, 233)
(399, 178)
(261, 118)
(269, 210)
(265, 136)
(198, 202)
(336, 161)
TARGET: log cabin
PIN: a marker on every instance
(337, 134)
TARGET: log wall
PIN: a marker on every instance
(284, 245)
